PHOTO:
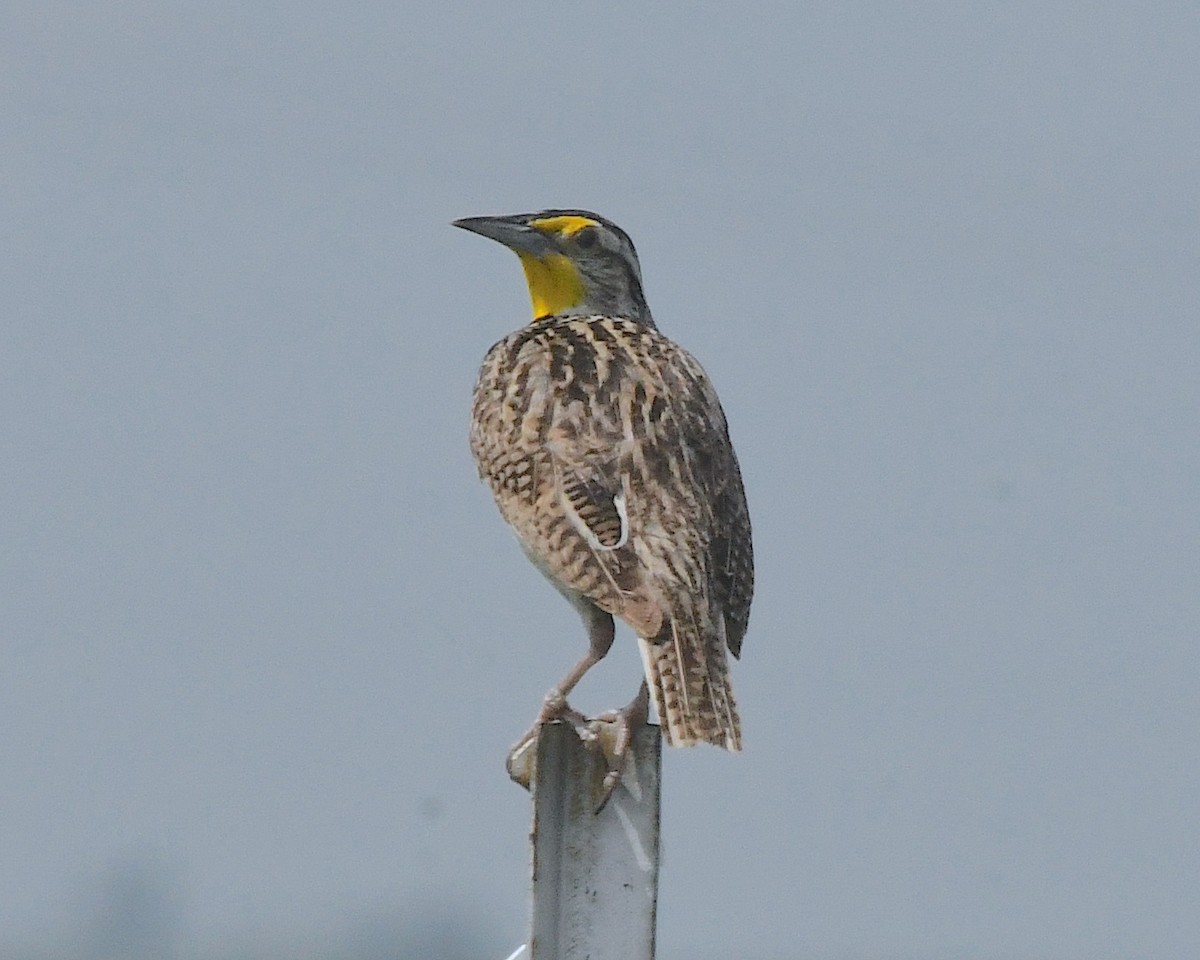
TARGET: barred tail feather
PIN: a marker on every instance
(688, 674)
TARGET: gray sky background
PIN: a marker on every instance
(265, 639)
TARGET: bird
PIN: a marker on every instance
(607, 451)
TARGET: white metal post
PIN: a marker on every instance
(595, 875)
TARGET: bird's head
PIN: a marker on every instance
(575, 262)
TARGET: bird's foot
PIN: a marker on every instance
(523, 755)
(611, 734)
(614, 731)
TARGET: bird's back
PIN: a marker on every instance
(606, 449)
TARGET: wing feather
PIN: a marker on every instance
(607, 450)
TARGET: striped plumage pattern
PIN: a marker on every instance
(607, 451)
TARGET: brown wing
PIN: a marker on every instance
(546, 441)
(607, 450)
(721, 519)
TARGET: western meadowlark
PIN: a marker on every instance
(607, 451)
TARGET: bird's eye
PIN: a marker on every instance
(586, 238)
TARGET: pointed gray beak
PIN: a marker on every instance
(512, 233)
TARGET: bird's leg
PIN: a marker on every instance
(601, 631)
(628, 721)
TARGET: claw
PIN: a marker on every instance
(521, 757)
(611, 733)
(625, 722)
(611, 780)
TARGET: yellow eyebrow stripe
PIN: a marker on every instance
(568, 226)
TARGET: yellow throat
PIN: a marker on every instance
(554, 282)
